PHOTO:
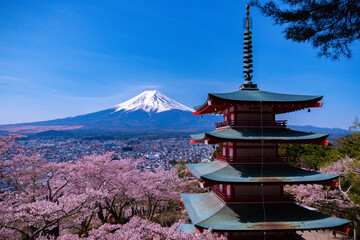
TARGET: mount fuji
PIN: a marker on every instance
(151, 101)
(149, 113)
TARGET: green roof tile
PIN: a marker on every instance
(272, 173)
(187, 228)
(263, 96)
(257, 134)
(217, 215)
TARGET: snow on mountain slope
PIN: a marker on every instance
(151, 101)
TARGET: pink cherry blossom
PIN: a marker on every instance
(336, 200)
(93, 198)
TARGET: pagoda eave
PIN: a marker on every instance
(259, 135)
(210, 182)
(217, 215)
(213, 140)
(217, 172)
(282, 103)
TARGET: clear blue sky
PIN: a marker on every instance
(65, 58)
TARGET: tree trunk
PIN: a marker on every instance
(101, 214)
(355, 226)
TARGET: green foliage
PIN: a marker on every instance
(316, 156)
(218, 150)
(356, 124)
(167, 219)
(350, 145)
(180, 166)
(332, 26)
(173, 162)
(309, 156)
(353, 180)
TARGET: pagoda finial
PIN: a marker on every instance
(247, 18)
(248, 54)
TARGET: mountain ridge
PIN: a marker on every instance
(151, 101)
(150, 112)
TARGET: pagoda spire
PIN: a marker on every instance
(248, 54)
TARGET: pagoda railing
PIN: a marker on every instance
(267, 198)
(248, 198)
(219, 193)
(278, 123)
(223, 158)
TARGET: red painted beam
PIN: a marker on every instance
(330, 184)
(342, 229)
(196, 113)
(319, 104)
(325, 143)
(194, 141)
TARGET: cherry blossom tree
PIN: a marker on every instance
(344, 199)
(39, 203)
(138, 228)
(86, 199)
(9, 143)
(8, 147)
(112, 184)
(156, 189)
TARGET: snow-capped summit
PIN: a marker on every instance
(151, 101)
(151, 112)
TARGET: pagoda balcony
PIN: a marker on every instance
(251, 159)
(257, 198)
(277, 123)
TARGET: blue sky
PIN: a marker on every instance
(65, 58)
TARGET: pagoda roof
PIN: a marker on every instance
(187, 228)
(258, 96)
(251, 173)
(253, 134)
(206, 210)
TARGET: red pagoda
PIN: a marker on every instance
(246, 198)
